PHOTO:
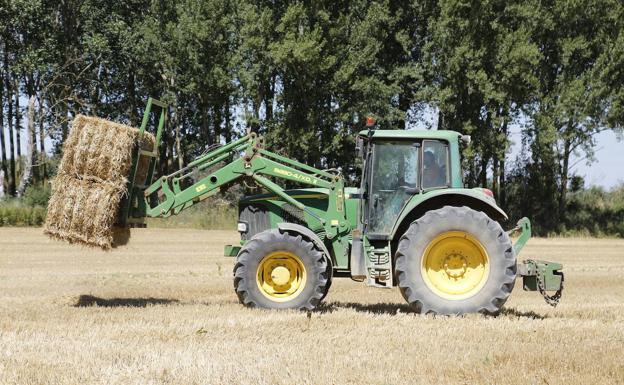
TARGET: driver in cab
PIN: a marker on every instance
(433, 174)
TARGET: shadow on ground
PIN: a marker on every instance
(396, 308)
(375, 308)
(86, 300)
(121, 236)
(511, 312)
(89, 300)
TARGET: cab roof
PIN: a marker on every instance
(414, 134)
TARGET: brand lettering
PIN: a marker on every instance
(294, 175)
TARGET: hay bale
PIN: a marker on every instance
(91, 180)
(101, 149)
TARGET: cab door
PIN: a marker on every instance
(394, 177)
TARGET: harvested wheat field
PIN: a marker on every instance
(161, 310)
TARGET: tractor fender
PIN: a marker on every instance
(306, 232)
(422, 203)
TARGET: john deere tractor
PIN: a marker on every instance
(411, 223)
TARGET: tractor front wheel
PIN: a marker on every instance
(455, 260)
(279, 270)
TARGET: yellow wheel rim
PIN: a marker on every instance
(281, 276)
(455, 265)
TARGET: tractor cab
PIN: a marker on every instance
(420, 229)
(399, 165)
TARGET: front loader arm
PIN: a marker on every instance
(166, 197)
(176, 199)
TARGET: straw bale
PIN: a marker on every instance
(101, 149)
(83, 211)
(91, 180)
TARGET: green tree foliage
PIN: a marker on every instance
(307, 74)
(596, 212)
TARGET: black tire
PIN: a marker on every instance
(330, 279)
(502, 262)
(270, 241)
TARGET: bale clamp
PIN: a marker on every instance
(132, 210)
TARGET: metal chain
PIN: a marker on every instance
(552, 300)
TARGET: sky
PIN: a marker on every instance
(606, 170)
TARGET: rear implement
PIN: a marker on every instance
(538, 275)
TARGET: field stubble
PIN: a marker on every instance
(162, 310)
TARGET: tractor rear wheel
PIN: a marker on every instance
(279, 270)
(455, 260)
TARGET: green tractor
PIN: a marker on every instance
(411, 223)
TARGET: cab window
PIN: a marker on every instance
(435, 171)
(395, 172)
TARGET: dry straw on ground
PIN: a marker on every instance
(162, 310)
(92, 179)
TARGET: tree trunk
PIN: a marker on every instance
(9, 98)
(564, 179)
(42, 153)
(228, 116)
(403, 107)
(268, 101)
(217, 124)
(487, 149)
(440, 120)
(259, 99)
(30, 147)
(65, 121)
(483, 173)
(205, 128)
(495, 175)
(179, 146)
(95, 94)
(3, 160)
(1, 185)
(132, 110)
(255, 124)
(502, 200)
(18, 122)
(32, 131)
(502, 195)
(164, 157)
(31, 86)
(170, 143)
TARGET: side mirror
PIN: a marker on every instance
(466, 139)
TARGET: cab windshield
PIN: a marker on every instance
(395, 172)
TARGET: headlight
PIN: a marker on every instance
(242, 227)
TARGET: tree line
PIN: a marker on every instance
(307, 73)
